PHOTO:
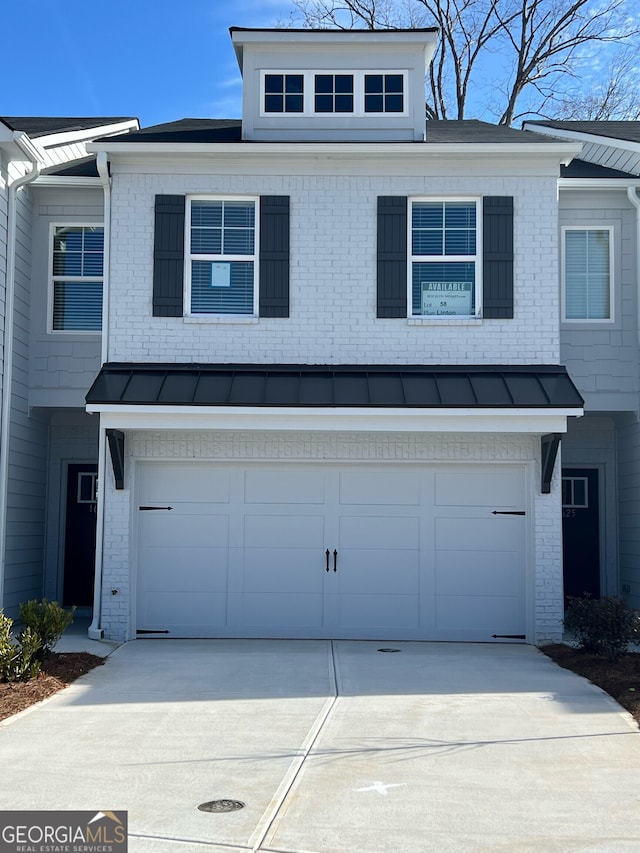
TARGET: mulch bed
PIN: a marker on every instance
(620, 680)
(58, 671)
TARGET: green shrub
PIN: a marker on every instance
(602, 626)
(19, 659)
(46, 619)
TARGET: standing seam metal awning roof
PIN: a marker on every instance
(332, 386)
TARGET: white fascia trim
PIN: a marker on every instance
(597, 183)
(562, 152)
(53, 140)
(539, 421)
(18, 144)
(67, 181)
(611, 141)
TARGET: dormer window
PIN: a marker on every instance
(383, 93)
(284, 93)
(333, 93)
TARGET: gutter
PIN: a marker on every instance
(32, 156)
(632, 195)
(95, 631)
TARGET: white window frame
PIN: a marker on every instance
(358, 92)
(563, 294)
(52, 278)
(189, 257)
(475, 259)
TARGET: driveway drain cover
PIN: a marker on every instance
(389, 650)
(221, 806)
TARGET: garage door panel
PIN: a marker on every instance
(186, 569)
(190, 530)
(285, 486)
(379, 488)
(483, 615)
(369, 569)
(283, 532)
(380, 532)
(188, 483)
(297, 570)
(282, 612)
(206, 610)
(479, 534)
(497, 572)
(361, 611)
(479, 488)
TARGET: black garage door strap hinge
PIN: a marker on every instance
(501, 512)
(151, 508)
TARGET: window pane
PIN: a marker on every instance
(324, 84)
(78, 250)
(428, 214)
(373, 103)
(344, 84)
(77, 306)
(206, 213)
(238, 241)
(373, 84)
(460, 242)
(273, 103)
(587, 277)
(273, 84)
(443, 289)
(344, 103)
(393, 104)
(294, 103)
(324, 103)
(211, 294)
(294, 84)
(239, 213)
(206, 241)
(427, 242)
(393, 83)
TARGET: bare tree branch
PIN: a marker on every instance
(533, 47)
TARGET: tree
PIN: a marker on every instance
(527, 54)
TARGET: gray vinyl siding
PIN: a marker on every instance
(602, 357)
(62, 366)
(27, 445)
(4, 204)
(629, 510)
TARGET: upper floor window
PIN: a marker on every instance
(76, 270)
(383, 93)
(587, 274)
(444, 262)
(283, 93)
(221, 257)
(333, 93)
(357, 93)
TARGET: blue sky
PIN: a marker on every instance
(153, 59)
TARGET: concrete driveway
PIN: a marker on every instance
(334, 748)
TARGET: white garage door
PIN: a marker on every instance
(279, 550)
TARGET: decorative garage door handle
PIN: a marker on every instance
(327, 554)
(151, 508)
(508, 512)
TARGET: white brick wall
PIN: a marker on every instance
(333, 268)
(545, 545)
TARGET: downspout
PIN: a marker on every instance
(31, 155)
(635, 201)
(95, 631)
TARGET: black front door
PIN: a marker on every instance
(80, 535)
(580, 532)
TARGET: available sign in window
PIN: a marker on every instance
(447, 298)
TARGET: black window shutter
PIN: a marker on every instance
(497, 257)
(273, 296)
(392, 256)
(168, 256)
